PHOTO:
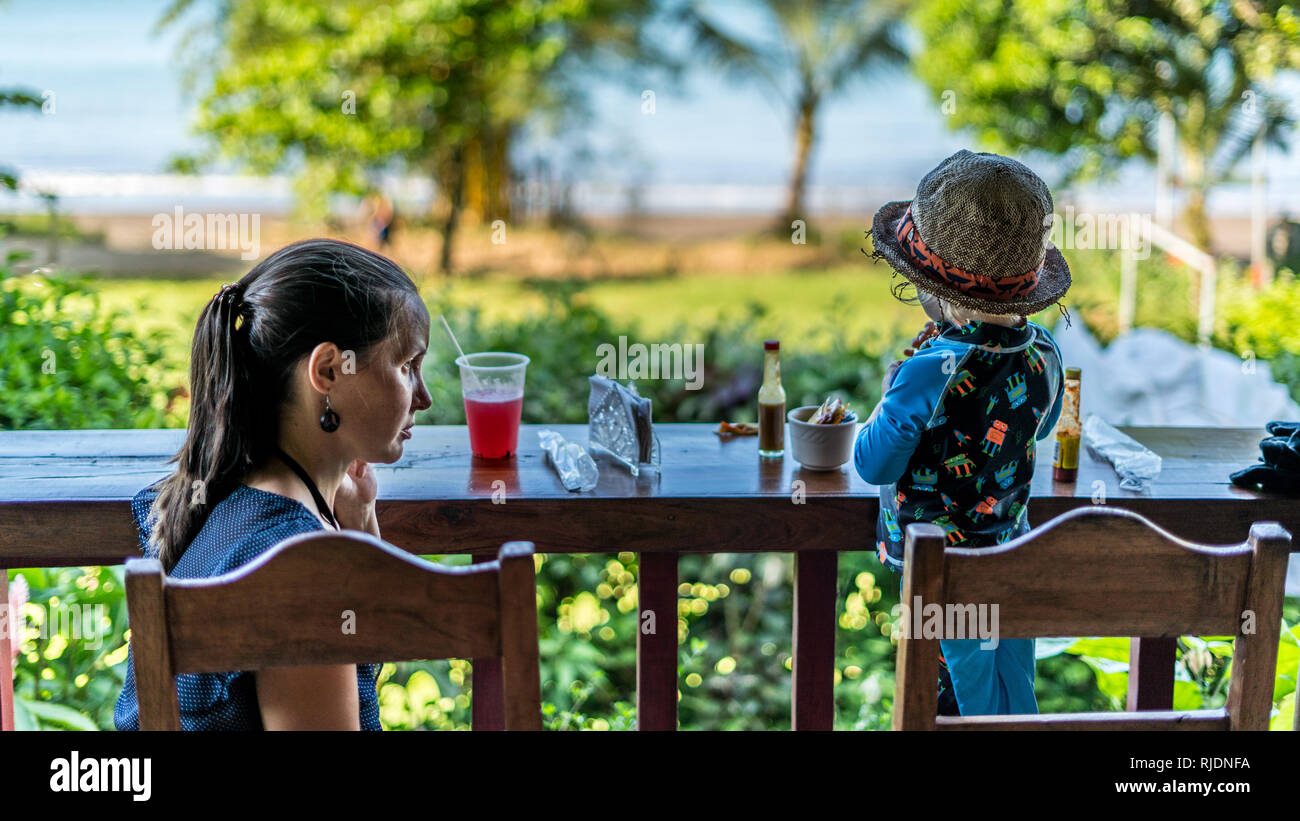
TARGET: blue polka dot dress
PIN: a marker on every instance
(242, 526)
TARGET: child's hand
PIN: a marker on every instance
(928, 332)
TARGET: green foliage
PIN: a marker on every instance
(563, 338)
(1086, 80)
(65, 363)
(71, 649)
(1202, 672)
(1261, 322)
(339, 89)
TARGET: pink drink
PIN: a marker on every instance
(493, 420)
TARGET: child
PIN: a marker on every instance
(953, 439)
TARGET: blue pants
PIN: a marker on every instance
(997, 681)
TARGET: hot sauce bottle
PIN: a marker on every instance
(771, 403)
(1065, 462)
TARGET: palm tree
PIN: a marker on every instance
(823, 45)
(1215, 137)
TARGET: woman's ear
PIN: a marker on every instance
(326, 364)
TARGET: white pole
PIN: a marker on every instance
(1167, 240)
(1127, 288)
(1209, 283)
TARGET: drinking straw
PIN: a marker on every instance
(450, 334)
(473, 380)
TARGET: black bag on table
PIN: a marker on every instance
(1279, 467)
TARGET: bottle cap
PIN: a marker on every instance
(1073, 373)
(772, 345)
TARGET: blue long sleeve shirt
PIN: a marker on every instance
(953, 442)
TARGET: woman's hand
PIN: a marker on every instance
(354, 504)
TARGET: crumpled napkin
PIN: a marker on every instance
(575, 466)
(1135, 463)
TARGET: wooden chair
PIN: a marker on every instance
(1101, 571)
(288, 606)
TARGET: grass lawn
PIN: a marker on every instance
(803, 308)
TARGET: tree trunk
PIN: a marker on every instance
(1194, 214)
(1197, 220)
(498, 174)
(804, 135)
(487, 175)
(453, 179)
(475, 199)
(1196, 149)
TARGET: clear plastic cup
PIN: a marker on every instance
(492, 385)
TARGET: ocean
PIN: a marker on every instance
(118, 113)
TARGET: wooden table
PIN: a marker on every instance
(64, 501)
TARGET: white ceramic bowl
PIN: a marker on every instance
(820, 447)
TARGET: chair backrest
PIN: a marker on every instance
(334, 598)
(1098, 571)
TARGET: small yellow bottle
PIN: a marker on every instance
(1065, 462)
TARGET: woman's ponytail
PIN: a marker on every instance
(217, 450)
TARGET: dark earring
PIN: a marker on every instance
(329, 421)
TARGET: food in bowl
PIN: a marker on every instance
(821, 446)
(832, 412)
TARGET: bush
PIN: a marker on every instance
(562, 341)
(68, 677)
(66, 364)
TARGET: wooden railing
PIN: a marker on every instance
(64, 501)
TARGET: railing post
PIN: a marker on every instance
(656, 642)
(14, 623)
(812, 693)
(1151, 673)
(488, 698)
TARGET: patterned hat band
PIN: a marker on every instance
(978, 285)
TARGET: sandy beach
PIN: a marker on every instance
(121, 245)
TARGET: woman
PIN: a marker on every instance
(302, 373)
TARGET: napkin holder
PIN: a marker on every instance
(619, 425)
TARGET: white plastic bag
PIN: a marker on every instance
(1134, 462)
(575, 466)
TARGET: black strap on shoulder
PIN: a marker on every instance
(302, 474)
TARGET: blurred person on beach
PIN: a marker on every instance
(379, 215)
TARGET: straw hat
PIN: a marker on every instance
(976, 235)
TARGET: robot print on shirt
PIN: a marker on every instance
(970, 472)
